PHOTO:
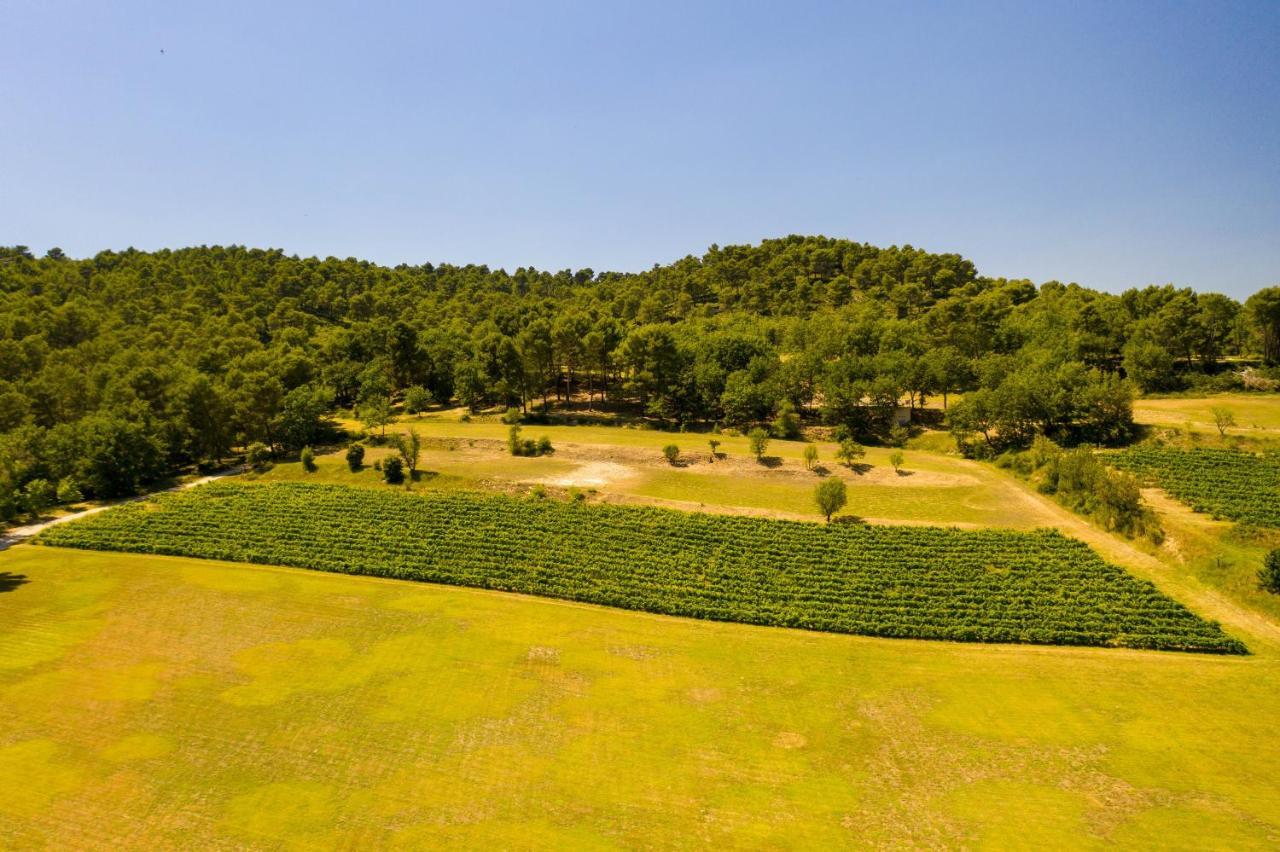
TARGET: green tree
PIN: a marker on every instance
(759, 441)
(850, 451)
(786, 424)
(830, 495)
(1269, 576)
(417, 399)
(409, 446)
(393, 470)
(897, 460)
(375, 413)
(672, 453)
(715, 448)
(1263, 309)
(810, 456)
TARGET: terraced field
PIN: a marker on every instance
(921, 582)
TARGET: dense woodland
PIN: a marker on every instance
(119, 368)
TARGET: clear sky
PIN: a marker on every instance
(1114, 144)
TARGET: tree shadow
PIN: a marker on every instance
(855, 520)
(10, 581)
(859, 468)
(771, 461)
(821, 470)
(905, 472)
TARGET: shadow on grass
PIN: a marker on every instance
(771, 461)
(853, 520)
(10, 581)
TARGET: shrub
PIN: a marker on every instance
(544, 446)
(759, 440)
(38, 495)
(355, 457)
(897, 460)
(512, 416)
(69, 491)
(308, 459)
(898, 436)
(257, 455)
(1269, 576)
(714, 445)
(810, 457)
(393, 470)
(672, 453)
(830, 495)
(513, 440)
(787, 423)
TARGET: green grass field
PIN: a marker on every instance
(158, 702)
(1256, 414)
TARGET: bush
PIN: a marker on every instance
(355, 457)
(308, 459)
(787, 423)
(672, 453)
(257, 455)
(69, 491)
(897, 460)
(512, 416)
(810, 457)
(393, 470)
(38, 495)
(544, 446)
(759, 440)
(1269, 576)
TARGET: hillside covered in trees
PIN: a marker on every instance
(119, 368)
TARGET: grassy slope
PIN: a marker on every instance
(1256, 414)
(169, 702)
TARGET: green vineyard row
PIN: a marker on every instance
(919, 582)
(1228, 484)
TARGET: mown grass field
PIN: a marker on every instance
(1256, 414)
(158, 702)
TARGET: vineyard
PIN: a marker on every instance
(1229, 484)
(920, 582)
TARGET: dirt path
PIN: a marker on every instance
(17, 534)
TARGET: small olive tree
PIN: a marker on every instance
(672, 453)
(759, 441)
(810, 457)
(830, 495)
(850, 451)
(897, 460)
(1223, 419)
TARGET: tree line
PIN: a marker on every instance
(118, 368)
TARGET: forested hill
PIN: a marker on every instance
(118, 367)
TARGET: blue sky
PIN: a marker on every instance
(1113, 144)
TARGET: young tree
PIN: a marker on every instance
(1223, 419)
(409, 446)
(787, 423)
(355, 457)
(759, 440)
(1269, 576)
(810, 456)
(897, 460)
(850, 451)
(513, 440)
(715, 448)
(375, 413)
(416, 399)
(308, 459)
(256, 454)
(393, 470)
(672, 453)
(830, 495)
